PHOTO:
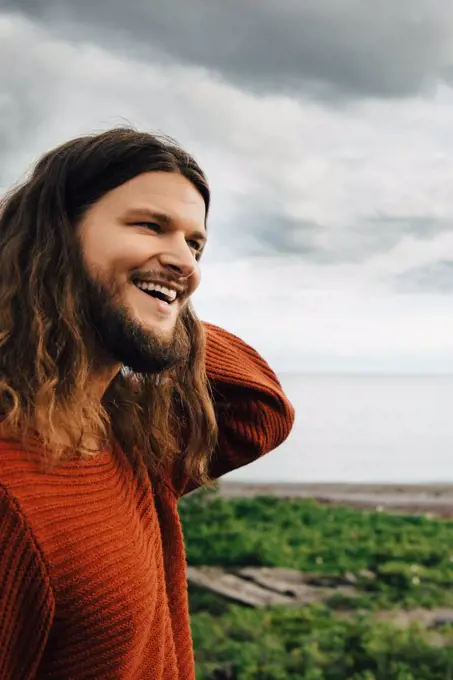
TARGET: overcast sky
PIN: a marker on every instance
(325, 128)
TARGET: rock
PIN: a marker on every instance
(367, 574)
(265, 586)
(443, 619)
(322, 580)
(350, 577)
(235, 588)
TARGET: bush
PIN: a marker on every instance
(408, 563)
(312, 643)
(412, 557)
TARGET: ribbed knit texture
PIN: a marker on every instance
(92, 562)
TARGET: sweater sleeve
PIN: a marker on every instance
(253, 414)
(26, 599)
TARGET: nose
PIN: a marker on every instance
(178, 258)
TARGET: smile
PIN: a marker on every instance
(155, 290)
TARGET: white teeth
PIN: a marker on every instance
(168, 292)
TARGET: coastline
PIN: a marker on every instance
(434, 499)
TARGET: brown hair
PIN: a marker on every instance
(44, 360)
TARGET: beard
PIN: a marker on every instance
(119, 337)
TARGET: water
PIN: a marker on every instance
(364, 429)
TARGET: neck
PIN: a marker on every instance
(98, 385)
(102, 378)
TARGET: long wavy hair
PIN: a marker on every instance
(45, 359)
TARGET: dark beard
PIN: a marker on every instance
(120, 338)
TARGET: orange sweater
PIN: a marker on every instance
(92, 563)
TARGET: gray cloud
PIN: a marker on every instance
(276, 234)
(394, 227)
(26, 102)
(436, 277)
(36, 96)
(312, 47)
(302, 193)
(266, 234)
(383, 232)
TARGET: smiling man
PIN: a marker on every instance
(115, 401)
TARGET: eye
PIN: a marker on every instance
(196, 246)
(152, 226)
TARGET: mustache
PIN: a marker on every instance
(179, 283)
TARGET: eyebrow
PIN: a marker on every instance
(161, 218)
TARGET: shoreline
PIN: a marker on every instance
(435, 499)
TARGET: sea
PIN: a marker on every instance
(363, 428)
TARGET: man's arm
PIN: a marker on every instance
(254, 416)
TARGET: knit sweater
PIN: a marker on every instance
(92, 561)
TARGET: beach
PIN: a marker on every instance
(436, 499)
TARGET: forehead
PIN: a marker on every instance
(165, 192)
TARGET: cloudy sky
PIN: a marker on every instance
(325, 128)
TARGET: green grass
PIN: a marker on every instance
(311, 644)
(411, 558)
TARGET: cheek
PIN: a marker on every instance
(195, 279)
(115, 249)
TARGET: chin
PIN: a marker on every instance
(162, 331)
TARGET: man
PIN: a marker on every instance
(115, 401)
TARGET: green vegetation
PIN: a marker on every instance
(411, 558)
(312, 644)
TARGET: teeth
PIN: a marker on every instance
(168, 292)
